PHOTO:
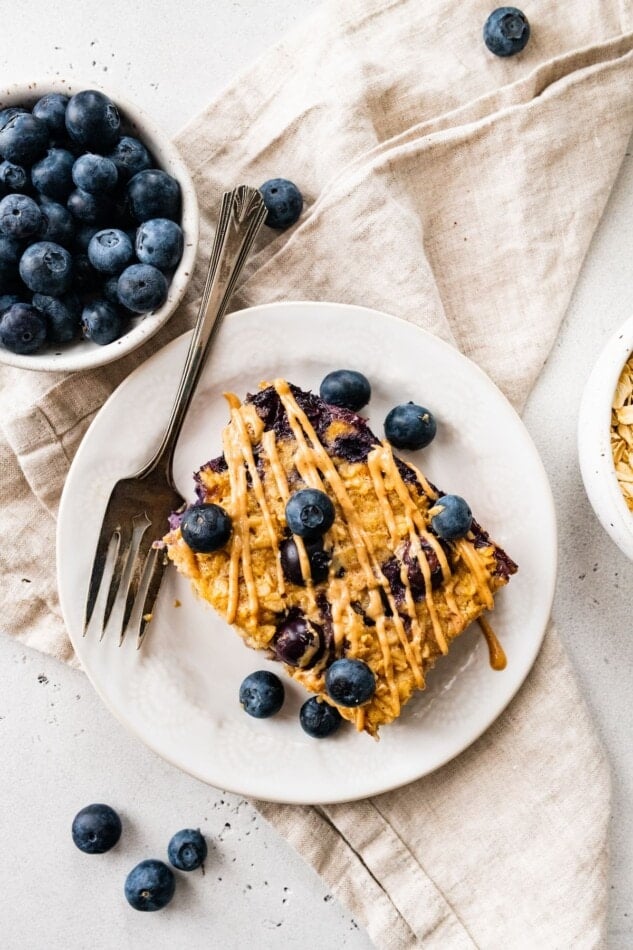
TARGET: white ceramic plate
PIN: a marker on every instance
(179, 693)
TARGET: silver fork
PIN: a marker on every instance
(127, 570)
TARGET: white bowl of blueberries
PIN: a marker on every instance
(98, 227)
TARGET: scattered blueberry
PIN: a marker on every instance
(9, 113)
(318, 558)
(205, 527)
(96, 829)
(57, 223)
(23, 138)
(410, 426)
(91, 209)
(130, 157)
(262, 694)
(102, 322)
(346, 388)
(150, 885)
(93, 121)
(6, 301)
(454, 520)
(153, 194)
(142, 288)
(13, 177)
(20, 217)
(187, 849)
(62, 316)
(95, 174)
(506, 31)
(51, 110)
(46, 268)
(159, 242)
(52, 175)
(297, 642)
(283, 201)
(110, 251)
(22, 329)
(309, 513)
(350, 682)
(319, 719)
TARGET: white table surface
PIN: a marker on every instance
(60, 747)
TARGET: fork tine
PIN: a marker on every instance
(140, 565)
(103, 558)
(148, 591)
(124, 571)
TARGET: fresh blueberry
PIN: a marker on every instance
(51, 110)
(91, 209)
(84, 234)
(309, 513)
(349, 682)
(22, 329)
(9, 113)
(96, 829)
(318, 559)
(86, 278)
(93, 121)
(319, 719)
(10, 250)
(110, 290)
(187, 849)
(62, 316)
(20, 217)
(262, 694)
(52, 175)
(7, 301)
(130, 157)
(454, 520)
(150, 885)
(410, 427)
(57, 223)
(23, 139)
(283, 201)
(506, 31)
(142, 288)
(109, 251)
(46, 268)
(205, 527)
(159, 242)
(346, 388)
(95, 174)
(297, 642)
(153, 194)
(102, 322)
(13, 177)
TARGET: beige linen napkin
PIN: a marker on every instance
(459, 191)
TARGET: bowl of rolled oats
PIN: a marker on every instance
(605, 438)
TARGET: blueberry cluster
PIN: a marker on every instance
(89, 227)
(151, 884)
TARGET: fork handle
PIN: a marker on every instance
(241, 216)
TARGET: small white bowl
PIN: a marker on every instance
(84, 354)
(594, 440)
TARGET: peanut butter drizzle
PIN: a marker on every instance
(240, 544)
(496, 653)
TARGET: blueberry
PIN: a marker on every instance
(109, 251)
(96, 829)
(262, 694)
(52, 175)
(454, 520)
(91, 209)
(9, 113)
(283, 201)
(13, 177)
(142, 288)
(309, 513)
(84, 234)
(62, 316)
(153, 194)
(319, 719)
(57, 223)
(410, 426)
(298, 642)
(10, 250)
(150, 885)
(506, 31)
(346, 388)
(23, 138)
(46, 268)
(93, 121)
(7, 301)
(110, 289)
(86, 278)
(102, 322)
(130, 157)
(159, 241)
(20, 217)
(22, 329)
(350, 682)
(51, 110)
(205, 527)
(187, 849)
(318, 558)
(95, 174)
